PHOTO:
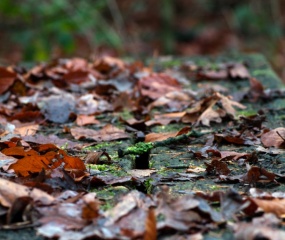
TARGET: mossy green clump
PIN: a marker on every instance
(111, 169)
(246, 113)
(149, 185)
(140, 148)
(103, 145)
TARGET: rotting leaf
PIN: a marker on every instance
(217, 167)
(153, 137)
(255, 173)
(156, 85)
(7, 79)
(83, 120)
(10, 191)
(274, 138)
(107, 133)
(212, 108)
(238, 70)
(150, 226)
(94, 157)
(90, 208)
(256, 90)
(264, 227)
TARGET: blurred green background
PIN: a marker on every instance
(40, 30)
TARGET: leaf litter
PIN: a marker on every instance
(50, 112)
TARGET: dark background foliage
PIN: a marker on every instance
(33, 30)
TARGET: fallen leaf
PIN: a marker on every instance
(153, 137)
(239, 70)
(25, 129)
(7, 79)
(94, 157)
(45, 139)
(106, 64)
(218, 167)
(156, 85)
(90, 208)
(274, 138)
(276, 206)
(256, 90)
(165, 119)
(10, 191)
(259, 230)
(83, 120)
(150, 226)
(107, 133)
(33, 162)
(206, 111)
(254, 174)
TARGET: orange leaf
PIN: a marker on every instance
(150, 226)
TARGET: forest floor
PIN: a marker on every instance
(175, 148)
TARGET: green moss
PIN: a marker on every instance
(107, 206)
(148, 185)
(113, 169)
(126, 114)
(140, 148)
(168, 128)
(102, 145)
(214, 187)
(264, 72)
(246, 113)
(64, 146)
(110, 195)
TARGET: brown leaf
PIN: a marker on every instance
(153, 137)
(235, 155)
(19, 209)
(45, 139)
(27, 116)
(83, 120)
(106, 64)
(150, 226)
(254, 174)
(274, 138)
(206, 110)
(76, 77)
(165, 119)
(256, 90)
(262, 228)
(7, 79)
(94, 157)
(213, 74)
(10, 191)
(218, 167)
(25, 129)
(107, 133)
(33, 162)
(157, 84)
(238, 70)
(276, 206)
(90, 208)
(175, 101)
(228, 104)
